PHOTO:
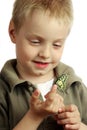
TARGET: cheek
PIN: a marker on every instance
(57, 56)
(21, 52)
(25, 53)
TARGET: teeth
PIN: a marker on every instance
(40, 62)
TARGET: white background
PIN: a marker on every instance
(75, 51)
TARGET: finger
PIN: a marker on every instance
(68, 115)
(36, 94)
(68, 108)
(68, 119)
(54, 88)
(71, 108)
(72, 127)
(52, 92)
(35, 98)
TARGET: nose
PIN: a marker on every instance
(45, 52)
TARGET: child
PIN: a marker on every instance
(37, 91)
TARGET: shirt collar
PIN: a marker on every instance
(10, 75)
(63, 69)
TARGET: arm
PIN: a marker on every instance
(29, 122)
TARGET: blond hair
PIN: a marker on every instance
(61, 9)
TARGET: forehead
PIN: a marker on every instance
(46, 13)
(42, 23)
(43, 17)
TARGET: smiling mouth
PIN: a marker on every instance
(41, 64)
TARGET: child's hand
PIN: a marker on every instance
(44, 108)
(69, 116)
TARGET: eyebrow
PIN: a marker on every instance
(35, 35)
(60, 39)
(42, 38)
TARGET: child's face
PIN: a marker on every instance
(39, 44)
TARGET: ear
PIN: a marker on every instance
(12, 32)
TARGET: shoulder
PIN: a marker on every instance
(3, 86)
(73, 78)
(62, 69)
(5, 73)
(9, 64)
(66, 69)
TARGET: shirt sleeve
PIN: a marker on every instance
(83, 97)
(4, 123)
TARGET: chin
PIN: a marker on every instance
(40, 73)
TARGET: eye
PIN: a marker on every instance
(35, 42)
(57, 45)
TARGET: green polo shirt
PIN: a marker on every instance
(15, 94)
